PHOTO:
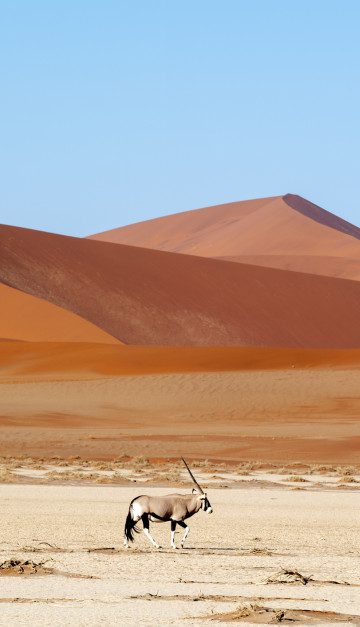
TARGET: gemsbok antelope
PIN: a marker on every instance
(173, 508)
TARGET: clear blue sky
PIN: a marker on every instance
(115, 111)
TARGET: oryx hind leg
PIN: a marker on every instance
(145, 520)
(187, 529)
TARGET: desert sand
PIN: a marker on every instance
(230, 403)
(88, 578)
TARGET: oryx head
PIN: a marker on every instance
(205, 503)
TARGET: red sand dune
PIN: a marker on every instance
(25, 317)
(38, 358)
(286, 232)
(143, 296)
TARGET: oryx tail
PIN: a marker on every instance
(130, 523)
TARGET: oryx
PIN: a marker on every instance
(174, 508)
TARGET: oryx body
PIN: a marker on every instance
(174, 508)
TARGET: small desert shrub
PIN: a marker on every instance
(173, 474)
(296, 479)
(7, 477)
(346, 470)
(28, 461)
(286, 576)
(63, 476)
(14, 464)
(243, 469)
(322, 468)
(246, 609)
(250, 465)
(102, 466)
(282, 471)
(140, 461)
(348, 479)
(203, 464)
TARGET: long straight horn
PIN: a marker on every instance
(193, 478)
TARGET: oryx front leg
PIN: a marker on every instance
(145, 520)
(173, 527)
(187, 529)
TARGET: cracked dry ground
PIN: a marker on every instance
(227, 573)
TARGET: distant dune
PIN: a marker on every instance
(143, 296)
(286, 232)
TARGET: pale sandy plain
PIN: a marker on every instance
(252, 534)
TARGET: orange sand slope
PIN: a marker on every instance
(143, 296)
(25, 317)
(286, 232)
(102, 401)
(83, 359)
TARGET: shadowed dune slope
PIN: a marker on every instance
(338, 267)
(151, 297)
(25, 317)
(284, 230)
(320, 215)
(85, 359)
